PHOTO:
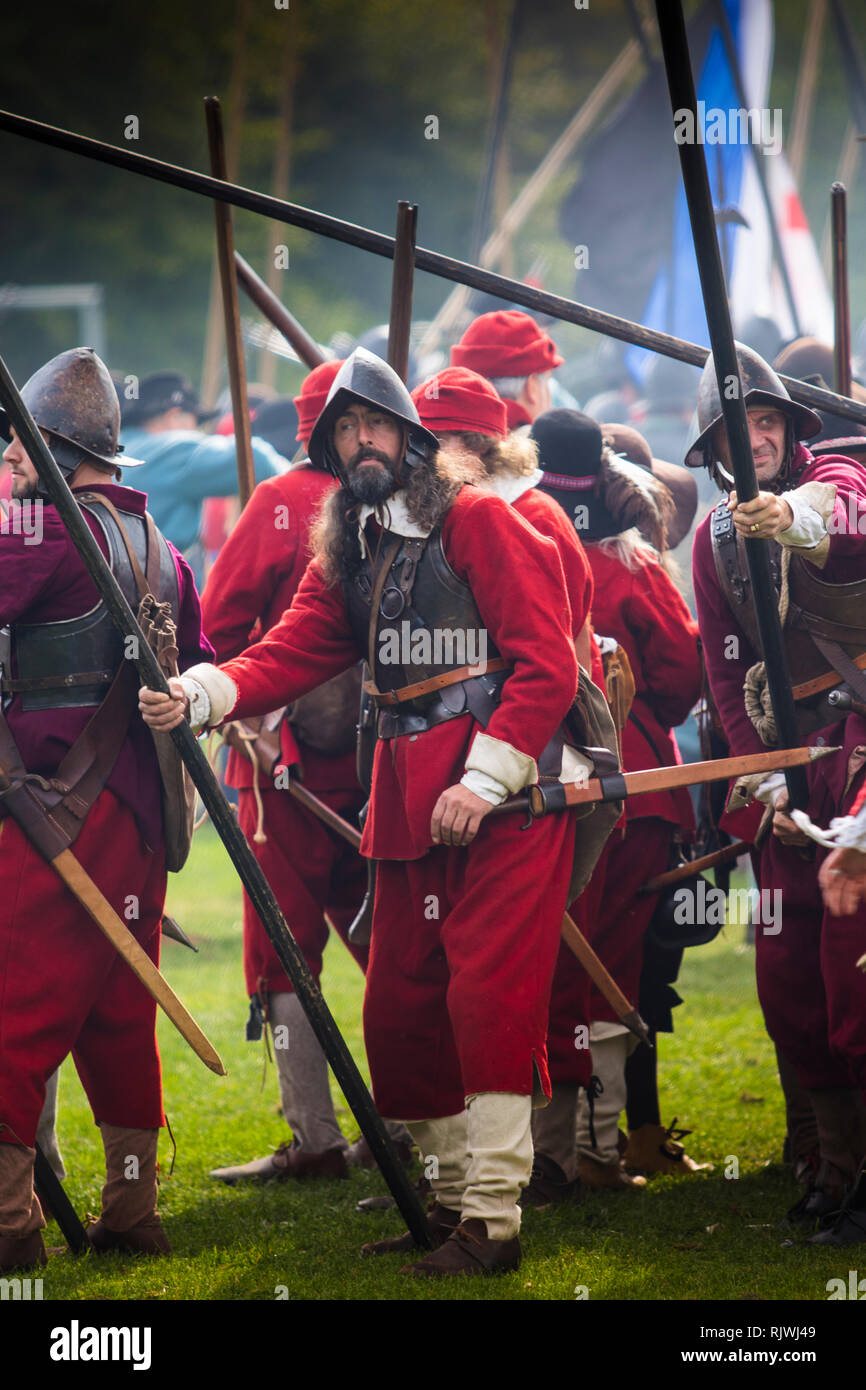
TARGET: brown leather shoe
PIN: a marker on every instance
(286, 1162)
(593, 1173)
(468, 1250)
(441, 1220)
(147, 1238)
(22, 1252)
(548, 1185)
(654, 1149)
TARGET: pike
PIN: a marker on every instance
(277, 314)
(841, 300)
(561, 796)
(378, 244)
(360, 931)
(695, 867)
(231, 313)
(681, 88)
(260, 893)
(26, 810)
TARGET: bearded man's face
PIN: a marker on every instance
(369, 445)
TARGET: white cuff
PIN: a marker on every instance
(502, 765)
(488, 788)
(812, 507)
(207, 683)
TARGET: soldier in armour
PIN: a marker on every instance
(468, 906)
(70, 719)
(311, 870)
(811, 511)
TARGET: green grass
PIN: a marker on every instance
(702, 1237)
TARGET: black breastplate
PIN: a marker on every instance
(427, 624)
(72, 662)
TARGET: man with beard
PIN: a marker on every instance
(468, 906)
(64, 986)
(810, 510)
(311, 870)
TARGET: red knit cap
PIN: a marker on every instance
(457, 399)
(506, 343)
(314, 392)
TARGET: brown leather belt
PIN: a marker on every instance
(413, 692)
(831, 678)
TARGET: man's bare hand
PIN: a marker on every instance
(784, 828)
(457, 816)
(842, 879)
(163, 712)
(765, 516)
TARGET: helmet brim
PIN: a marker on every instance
(807, 423)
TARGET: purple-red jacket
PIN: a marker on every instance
(47, 582)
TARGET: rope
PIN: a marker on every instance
(211, 756)
(756, 689)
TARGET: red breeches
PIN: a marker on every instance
(812, 994)
(64, 988)
(461, 964)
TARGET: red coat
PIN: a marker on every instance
(549, 519)
(645, 612)
(516, 579)
(254, 579)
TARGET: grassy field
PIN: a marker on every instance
(708, 1236)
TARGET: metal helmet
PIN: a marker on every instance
(761, 386)
(366, 378)
(73, 397)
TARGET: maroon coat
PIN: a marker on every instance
(48, 582)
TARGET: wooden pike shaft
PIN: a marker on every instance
(841, 302)
(603, 980)
(79, 882)
(402, 281)
(277, 314)
(693, 774)
(231, 311)
(697, 866)
(571, 933)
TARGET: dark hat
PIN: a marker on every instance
(603, 493)
(277, 422)
(159, 392)
(570, 447)
(679, 481)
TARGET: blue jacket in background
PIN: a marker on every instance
(182, 468)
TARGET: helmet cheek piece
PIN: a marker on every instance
(66, 455)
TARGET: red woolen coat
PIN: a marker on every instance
(549, 519)
(254, 579)
(516, 579)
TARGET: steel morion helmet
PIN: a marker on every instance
(366, 378)
(74, 399)
(761, 386)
